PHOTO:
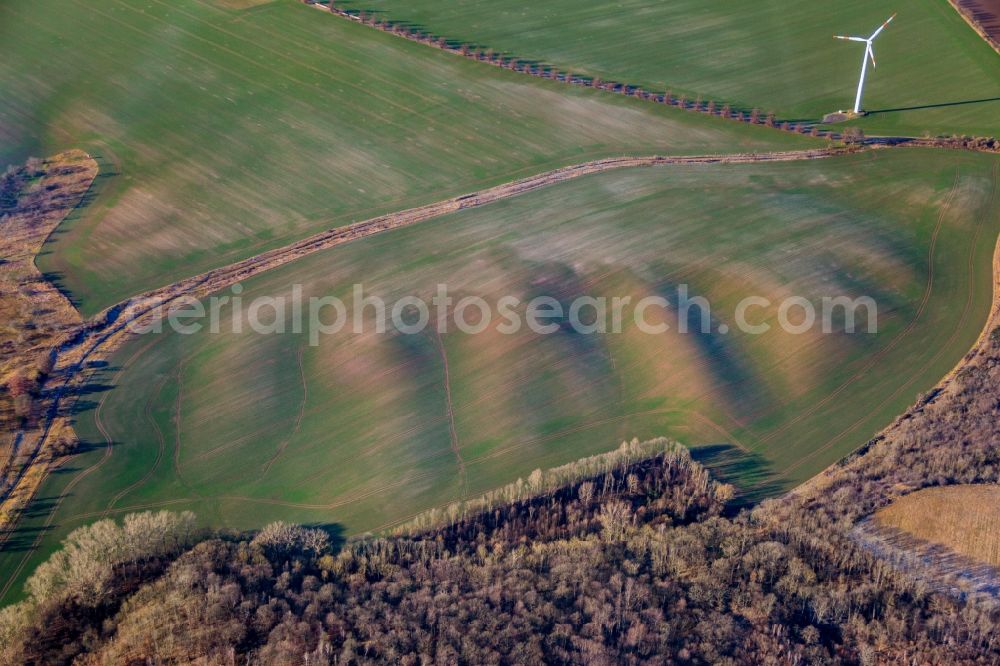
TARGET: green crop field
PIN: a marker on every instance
(935, 74)
(227, 132)
(364, 430)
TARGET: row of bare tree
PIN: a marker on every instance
(753, 116)
(488, 55)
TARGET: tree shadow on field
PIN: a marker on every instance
(86, 396)
(83, 447)
(57, 278)
(334, 530)
(39, 507)
(934, 106)
(754, 478)
(23, 538)
(107, 172)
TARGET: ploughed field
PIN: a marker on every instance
(963, 519)
(362, 431)
(224, 132)
(935, 74)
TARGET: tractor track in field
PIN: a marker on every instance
(298, 419)
(177, 428)
(450, 411)
(109, 445)
(818, 481)
(928, 289)
(967, 309)
(265, 501)
(161, 441)
(371, 492)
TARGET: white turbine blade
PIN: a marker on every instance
(871, 54)
(850, 39)
(882, 27)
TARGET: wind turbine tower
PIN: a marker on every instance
(869, 53)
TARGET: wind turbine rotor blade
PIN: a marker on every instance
(871, 54)
(850, 39)
(882, 27)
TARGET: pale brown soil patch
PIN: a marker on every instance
(965, 519)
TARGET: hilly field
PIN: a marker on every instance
(363, 430)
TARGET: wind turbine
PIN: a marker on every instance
(869, 53)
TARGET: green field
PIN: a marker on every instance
(363, 430)
(932, 68)
(225, 133)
